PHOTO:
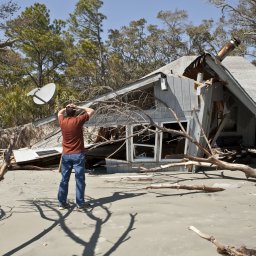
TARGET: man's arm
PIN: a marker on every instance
(61, 112)
(89, 111)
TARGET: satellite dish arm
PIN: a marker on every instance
(39, 98)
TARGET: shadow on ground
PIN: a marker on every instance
(44, 207)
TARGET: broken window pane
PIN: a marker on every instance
(104, 134)
(143, 152)
(173, 145)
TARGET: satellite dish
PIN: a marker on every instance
(44, 94)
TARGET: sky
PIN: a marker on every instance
(121, 12)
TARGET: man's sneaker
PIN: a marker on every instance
(64, 206)
(83, 207)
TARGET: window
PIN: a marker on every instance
(173, 145)
(144, 140)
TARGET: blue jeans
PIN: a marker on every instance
(70, 161)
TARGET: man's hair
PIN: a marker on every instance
(70, 111)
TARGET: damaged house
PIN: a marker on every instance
(216, 93)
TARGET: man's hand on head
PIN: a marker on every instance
(71, 105)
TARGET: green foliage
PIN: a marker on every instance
(133, 52)
(11, 68)
(86, 21)
(15, 107)
(86, 60)
(65, 95)
(40, 42)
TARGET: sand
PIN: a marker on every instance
(126, 219)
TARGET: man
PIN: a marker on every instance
(73, 153)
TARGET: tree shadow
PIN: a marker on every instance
(214, 175)
(45, 206)
(5, 214)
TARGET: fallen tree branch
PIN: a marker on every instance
(187, 164)
(206, 162)
(29, 167)
(247, 170)
(187, 187)
(224, 249)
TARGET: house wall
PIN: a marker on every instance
(180, 94)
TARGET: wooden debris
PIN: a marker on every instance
(187, 187)
(7, 158)
(224, 249)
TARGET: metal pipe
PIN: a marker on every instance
(230, 46)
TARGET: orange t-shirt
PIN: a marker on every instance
(72, 133)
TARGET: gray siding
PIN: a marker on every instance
(180, 96)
